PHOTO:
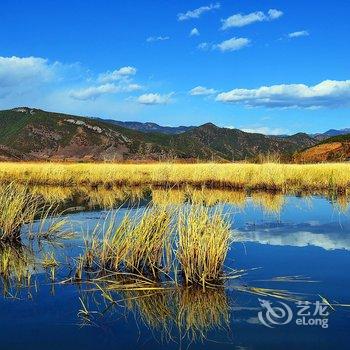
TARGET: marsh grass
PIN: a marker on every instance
(204, 237)
(273, 293)
(161, 241)
(18, 207)
(50, 263)
(141, 244)
(267, 176)
(50, 225)
(145, 244)
(150, 239)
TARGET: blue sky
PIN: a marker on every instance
(266, 66)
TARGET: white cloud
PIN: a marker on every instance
(92, 92)
(204, 46)
(274, 14)
(55, 86)
(232, 44)
(132, 87)
(298, 34)
(154, 99)
(19, 74)
(328, 93)
(197, 12)
(152, 39)
(264, 130)
(194, 32)
(117, 81)
(127, 70)
(117, 74)
(201, 90)
(240, 20)
(258, 129)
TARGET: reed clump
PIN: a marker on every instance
(150, 241)
(204, 237)
(162, 241)
(18, 207)
(141, 244)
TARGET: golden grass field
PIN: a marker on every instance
(269, 176)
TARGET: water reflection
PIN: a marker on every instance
(324, 235)
(88, 198)
(172, 315)
(16, 266)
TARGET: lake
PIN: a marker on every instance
(294, 253)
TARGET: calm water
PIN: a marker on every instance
(294, 244)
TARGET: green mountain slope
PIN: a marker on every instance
(33, 134)
(233, 144)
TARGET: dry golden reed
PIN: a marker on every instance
(17, 207)
(141, 243)
(204, 237)
(271, 176)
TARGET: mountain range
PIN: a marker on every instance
(172, 130)
(331, 133)
(34, 134)
(149, 127)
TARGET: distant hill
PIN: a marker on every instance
(30, 134)
(330, 133)
(209, 141)
(34, 134)
(150, 127)
(335, 148)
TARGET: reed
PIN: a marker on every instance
(50, 263)
(150, 243)
(145, 244)
(204, 237)
(267, 176)
(18, 207)
(141, 244)
(21, 207)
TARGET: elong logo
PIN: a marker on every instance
(308, 314)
